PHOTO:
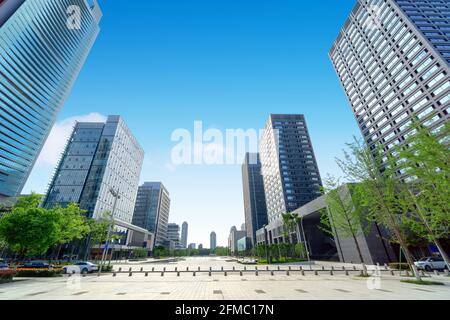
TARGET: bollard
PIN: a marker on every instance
(332, 268)
(225, 274)
(392, 273)
(146, 274)
(271, 273)
(301, 268)
(234, 268)
(193, 274)
(198, 268)
(130, 274)
(245, 268)
(385, 266)
(316, 273)
(142, 269)
(323, 268)
(240, 273)
(162, 274)
(164, 269)
(129, 270)
(256, 273)
(187, 268)
(256, 268)
(210, 273)
(331, 273)
(343, 268)
(278, 268)
(354, 268)
(267, 268)
(362, 273)
(289, 268)
(114, 274)
(120, 269)
(153, 269)
(303, 272)
(422, 273)
(221, 269)
(287, 272)
(176, 268)
(210, 268)
(178, 273)
(346, 273)
(436, 273)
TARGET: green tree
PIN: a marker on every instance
(289, 224)
(344, 215)
(377, 187)
(30, 231)
(31, 201)
(426, 162)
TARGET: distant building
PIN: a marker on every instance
(254, 196)
(173, 234)
(191, 246)
(200, 246)
(152, 211)
(184, 234)
(234, 237)
(212, 241)
(40, 59)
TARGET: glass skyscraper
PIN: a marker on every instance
(41, 56)
(152, 210)
(254, 196)
(393, 60)
(184, 234)
(99, 157)
(289, 167)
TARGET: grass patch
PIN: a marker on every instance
(423, 282)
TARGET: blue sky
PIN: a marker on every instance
(230, 63)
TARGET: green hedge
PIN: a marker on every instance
(38, 273)
(399, 266)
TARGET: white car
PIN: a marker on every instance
(431, 263)
(81, 267)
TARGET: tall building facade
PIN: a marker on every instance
(289, 167)
(213, 241)
(392, 58)
(98, 158)
(40, 59)
(173, 235)
(152, 211)
(234, 237)
(254, 196)
(184, 234)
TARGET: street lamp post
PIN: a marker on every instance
(116, 196)
(266, 243)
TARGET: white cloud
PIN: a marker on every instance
(54, 146)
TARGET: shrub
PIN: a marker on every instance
(107, 268)
(6, 275)
(399, 266)
(38, 273)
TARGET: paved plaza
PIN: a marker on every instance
(282, 284)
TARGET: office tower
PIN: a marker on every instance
(99, 159)
(152, 210)
(234, 237)
(173, 235)
(184, 234)
(191, 246)
(392, 58)
(200, 246)
(40, 59)
(254, 196)
(212, 241)
(290, 173)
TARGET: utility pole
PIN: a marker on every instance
(116, 196)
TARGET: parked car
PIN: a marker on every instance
(35, 265)
(81, 267)
(431, 263)
(3, 265)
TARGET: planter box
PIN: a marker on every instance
(6, 275)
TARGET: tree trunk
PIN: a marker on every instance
(443, 254)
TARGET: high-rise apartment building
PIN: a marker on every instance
(254, 196)
(40, 59)
(152, 210)
(184, 234)
(392, 58)
(98, 158)
(213, 241)
(289, 168)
